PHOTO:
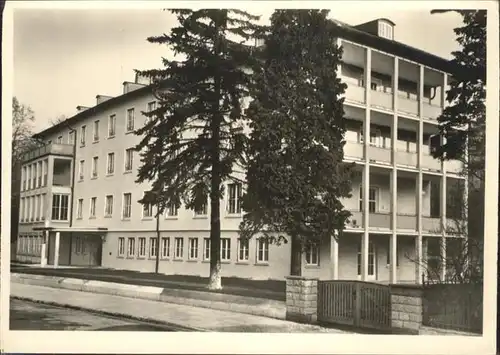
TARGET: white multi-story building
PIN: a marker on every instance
(79, 195)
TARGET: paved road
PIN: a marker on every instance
(25, 315)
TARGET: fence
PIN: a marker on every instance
(453, 306)
(356, 303)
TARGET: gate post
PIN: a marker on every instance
(302, 299)
(406, 308)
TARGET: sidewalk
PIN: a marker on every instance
(197, 319)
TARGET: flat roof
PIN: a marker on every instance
(71, 229)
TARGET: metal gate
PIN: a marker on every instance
(356, 303)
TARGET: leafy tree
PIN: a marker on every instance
(296, 175)
(194, 139)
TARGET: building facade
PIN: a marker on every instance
(79, 195)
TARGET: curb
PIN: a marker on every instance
(170, 326)
(277, 311)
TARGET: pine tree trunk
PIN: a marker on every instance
(296, 257)
(215, 282)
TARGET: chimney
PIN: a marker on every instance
(102, 98)
(81, 108)
(141, 79)
(129, 86)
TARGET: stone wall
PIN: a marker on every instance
(301, 299)
(407, 308)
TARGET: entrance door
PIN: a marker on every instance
(93, 244)
(372, 259)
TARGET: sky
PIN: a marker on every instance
(63, 58)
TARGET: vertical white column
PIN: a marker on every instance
(420, 141)
(365, 240)
(394, 176)
(443, 258)
(334, 258)
(50, 171)
(443, 91)
(56, 249)
(43, 252)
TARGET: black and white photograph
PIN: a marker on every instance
(184, 170)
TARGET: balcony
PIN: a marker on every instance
(406, 222)
(55, 149)
(408, 106)
(454, 166)
(380, 155)
(431, 224)
(353, 150)
(408, 159)
(354, 93)
(431, 112)
(380, 220)
(381, 99)
(356, 220)
(428, 162)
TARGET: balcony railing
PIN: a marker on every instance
(381, 99)
(431, 111)
(355, 93)
(454, 166)
(380, 220)
(406, 222)
(406, 105)
(428, 162)
(57, 149)
(431, 224)
(406, 159)
(356, 220)
(353, 150)
(381, 155)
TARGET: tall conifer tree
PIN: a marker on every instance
(194, 139)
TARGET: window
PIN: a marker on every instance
(131, 247)
(108, 209)
(153, 247)
(165, 247)
(24, 178)
(375, 138)
(234, 202)
(371, 259)
(71, 137)
(243, 249)
(312, 254)
(39, 173)
(129, 159)
(179, 246)
(385, 30)
(60, 207)
(127, 205)
(202, 211)
(81, 169)
(42, 203)
(193, 248)
(121, 246)
(45, 167)
(37, 204)
(95, 163)
(130, 119)
(147, 210)
(59, 140)
(33, 208)
(151, 108)
(206, 248)
(28, 177)
(112, 126)
(111, 164)
(225, 249)
(21, 209)
(262, 250)
(93, 202)
(372, 199)
(142, 247)
(34, 176)
(172, 210)
(79, 209)
(83, 135)
(96, 131)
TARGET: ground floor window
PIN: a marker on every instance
(121, 246)
(262, 250)
(371, 259)
(142, 247)
(165, 247)
(179, 248)
(206, 249)
(153, 247)
(225, 249)
(193, 248)
(60, 205)
(243, 246)
(131, 247)
(312, 254)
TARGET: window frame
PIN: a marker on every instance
(108, 207)
(193, 250)
(178, 248)
(243, 246)
(112, 125)
(129, 127)
(93, 207)
(311, 254)
(262, 247)
(225, 250)
(206, 249)
(110, 159)
(95, 135)
(142, 247)
(121, 247)
(129, 156)
(83, 135)
(95, 168)
(79, 209)
(124, 206)
(130, 247)
(234, 202)
(165, 246)
(375, 200)
(58, 208)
